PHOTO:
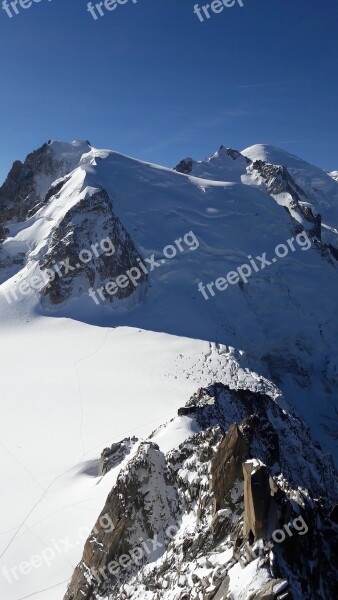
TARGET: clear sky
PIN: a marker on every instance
(152, 81)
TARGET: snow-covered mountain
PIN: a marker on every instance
(74, 221)
(307, 191)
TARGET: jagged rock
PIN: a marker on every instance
(226, 466)
(222, 590)
(185, 166)
(129, 507)
(235, 154)
(184, 487)
(279, 181)
(271, 590)
(20, 195)
(113, 456)
(222, 406)
(90, 222)
(26, 190)
(258, 491)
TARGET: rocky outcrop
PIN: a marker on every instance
(85, 225)
(141, 506)
(223, 504)
(226, 467)
(234, 154)
(279, 182)
(184, 166)
(188, 165)
(113, 456)
(28, 187)
(259, 489)
(25, 188)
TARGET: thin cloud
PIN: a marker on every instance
(207, 123)
(293, 142)
(184, 137)
(255, 85)
(222, 117)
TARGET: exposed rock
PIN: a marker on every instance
(226, 466)
(90, 222)
(279, 181)
(185, 166)
(258, 491)
(25, 191)
(235, 154)
(272, 591)
(113, 456)
(220, 498)
(21, 195)
(142, 485)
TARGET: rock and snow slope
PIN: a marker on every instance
(334, 175)
(70, 367)
(180, 519)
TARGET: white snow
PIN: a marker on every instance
(243, 582)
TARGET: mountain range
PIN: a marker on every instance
(169, 360)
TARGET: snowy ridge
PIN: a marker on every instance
(182, 492)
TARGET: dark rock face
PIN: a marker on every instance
(259, 490)
(217, 479)
(146, 482)
(185, 166)
(226, 466)
(334, 514)
(19, 195)
(235, 154)
(113, 456)
(88, 223)
(334, 251)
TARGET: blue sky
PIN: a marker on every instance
(150, 80)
